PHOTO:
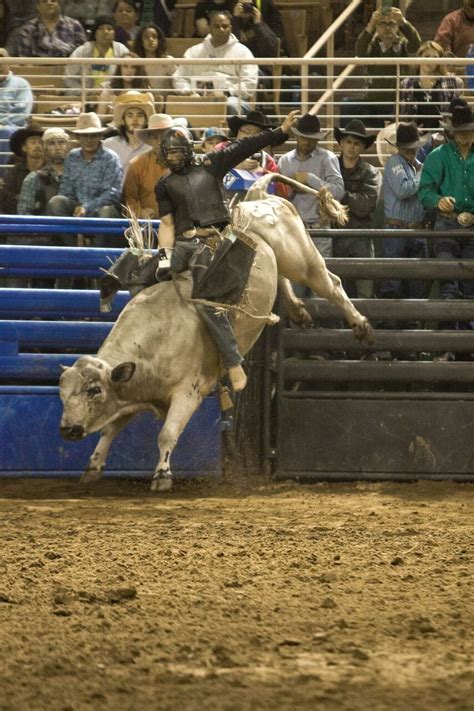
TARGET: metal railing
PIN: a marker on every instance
(317, 85)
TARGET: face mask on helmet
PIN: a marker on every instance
(176, 148)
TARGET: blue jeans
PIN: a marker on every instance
(453, 248)
(216, 321)
(404, 247)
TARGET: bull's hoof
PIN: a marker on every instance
(91, 475)
(364, 332)
(162, 481)
(298, 313)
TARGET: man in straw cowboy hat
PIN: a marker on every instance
(403, 210)
(447, 186)
(146, 170)
(362, 188)
(132, 111)
(314, 166)
(92, 179)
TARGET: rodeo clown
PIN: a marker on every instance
(193, 207)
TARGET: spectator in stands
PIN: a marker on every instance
(131, 113)
(456, 31)
(41, 185)
(211, 138)
(150, 42)
(126, 17)
(362, 187)
(447, 185)
(16, 102)
(102, 44)
(17, 13)
(3, 23)
(251, 124)
(146, 170)
(159, 12)
(203, 11)
(26, 144)
(250, 29)
(239, 82)
(86, 11)
(49, 33)
(92, 179)
(267, 8)
(403, 210)
(426, 96)
(388, 34)
(316, 167)
(127, 77)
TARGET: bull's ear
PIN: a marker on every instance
(123, 372)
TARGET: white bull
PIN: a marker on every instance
(159, 356)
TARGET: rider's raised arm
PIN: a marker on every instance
(220, 162)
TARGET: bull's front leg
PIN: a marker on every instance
(182, 407)
(97, 459)
(329, 286)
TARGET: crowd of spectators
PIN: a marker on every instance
(111, 158)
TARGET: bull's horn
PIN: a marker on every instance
(64, 367)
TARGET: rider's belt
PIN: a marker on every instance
(403, 224)
(465, 219)
(200, 233)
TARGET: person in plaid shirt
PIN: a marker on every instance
(49, 34)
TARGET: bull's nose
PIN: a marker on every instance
(73, 432)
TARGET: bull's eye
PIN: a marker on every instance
(95, 390)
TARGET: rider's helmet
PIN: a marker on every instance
(176, 148)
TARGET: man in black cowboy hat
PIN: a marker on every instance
(243, 126)
(403, 210)
(316, 167)
(362, 187)
(27, 147)
(447, 186)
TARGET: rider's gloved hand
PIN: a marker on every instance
(164, 263)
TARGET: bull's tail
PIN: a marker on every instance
(331, 209)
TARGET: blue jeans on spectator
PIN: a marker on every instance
(453, 248)
(402, 248)
(61, 206)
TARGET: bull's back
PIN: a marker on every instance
(158, 326)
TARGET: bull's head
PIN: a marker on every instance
(91, 395)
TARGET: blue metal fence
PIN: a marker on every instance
(42, 329)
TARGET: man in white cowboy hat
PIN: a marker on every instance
(41, 185)
(315, 167)
(92, 178)
(403, 210)
(146, 170)
(447, 186)
(362, 184)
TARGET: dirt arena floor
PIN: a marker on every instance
(243, 595)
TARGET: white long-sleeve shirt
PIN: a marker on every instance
(233, 49)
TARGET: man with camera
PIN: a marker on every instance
(252, 31)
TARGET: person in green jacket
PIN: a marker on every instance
(447, 187)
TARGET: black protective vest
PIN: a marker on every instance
(48, 188)
(198, 199)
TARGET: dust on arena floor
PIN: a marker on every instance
(237, 595)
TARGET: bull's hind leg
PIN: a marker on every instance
(97, 459)
(182, 407)
(329, 286)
